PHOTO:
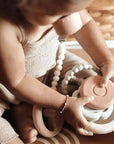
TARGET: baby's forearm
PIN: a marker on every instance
(93, 43)
(33, 91)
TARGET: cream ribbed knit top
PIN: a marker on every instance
(41, 55)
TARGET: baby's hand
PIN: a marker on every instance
(74, 116)
(107, 70)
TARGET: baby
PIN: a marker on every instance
(28, 50)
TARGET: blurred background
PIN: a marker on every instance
(103, 13)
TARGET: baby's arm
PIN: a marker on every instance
(91, 39)
(13, 73)
(13, 76)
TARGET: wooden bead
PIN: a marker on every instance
(57, 73)
(56, 78)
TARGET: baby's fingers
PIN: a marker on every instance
(104, 80)
(83, 131)
(81, 120)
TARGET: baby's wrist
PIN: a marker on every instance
(65, 105)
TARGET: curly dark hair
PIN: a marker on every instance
(10, 8)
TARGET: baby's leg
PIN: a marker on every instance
(23, 123)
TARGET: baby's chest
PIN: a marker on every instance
(41, 56)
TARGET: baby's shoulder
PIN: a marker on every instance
(6, 24)
(8, 28)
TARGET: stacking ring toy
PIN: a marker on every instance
(103, 96)
(102, 107)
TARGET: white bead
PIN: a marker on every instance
(80, 67)
(60, 62)
(59, 67)
(57, 73)
(66, 82)
(69, 73)
(54, 83)
(74, 77)
(75, 69)
(56, 78)
(86, 66)
(90, 66)
(61, 56)
(68, 78)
